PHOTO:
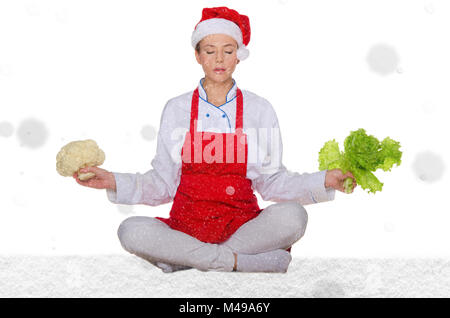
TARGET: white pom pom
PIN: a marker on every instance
(242, 53)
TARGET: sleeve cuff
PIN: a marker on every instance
(112, 195)
(125, 189)
(319, 192)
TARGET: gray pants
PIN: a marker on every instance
(278, 226)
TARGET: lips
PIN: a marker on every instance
(219, 70)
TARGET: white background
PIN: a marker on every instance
(105, 69)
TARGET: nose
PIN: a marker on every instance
(219, 57)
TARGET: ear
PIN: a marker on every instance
(197, 57)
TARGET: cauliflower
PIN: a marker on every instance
(79, 154)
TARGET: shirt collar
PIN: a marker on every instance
(230, 95)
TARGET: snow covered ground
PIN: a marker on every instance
(129, 276)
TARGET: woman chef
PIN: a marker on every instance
(215, 145)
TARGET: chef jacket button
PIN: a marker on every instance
(223, 115)
(207, 115)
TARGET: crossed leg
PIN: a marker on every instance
(260, 244)
(277, 227)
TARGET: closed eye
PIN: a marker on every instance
(214, 52)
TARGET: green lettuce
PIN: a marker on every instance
(363, 155)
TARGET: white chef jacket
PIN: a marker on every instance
(268, 175)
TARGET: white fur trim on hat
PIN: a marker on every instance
(220, 26)
(242, 53)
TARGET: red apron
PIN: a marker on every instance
(214, 197)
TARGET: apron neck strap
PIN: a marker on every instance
(239, 110)
(194, 111)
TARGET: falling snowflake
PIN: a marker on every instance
(383, 59)
(428, 166)
(148, 132)
(429, 107)
(5, 71)
(389, 227)
(62, 15)
(429, 8)
(32, 133)
(230, 190)
(32, 9)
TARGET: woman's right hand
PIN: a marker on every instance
(103, 179)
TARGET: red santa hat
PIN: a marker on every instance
(222, 20)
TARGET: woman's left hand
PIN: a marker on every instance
(335, 179)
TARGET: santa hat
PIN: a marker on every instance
(222, 20)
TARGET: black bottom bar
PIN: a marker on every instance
(220, 307)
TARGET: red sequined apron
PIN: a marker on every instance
(214, 197)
